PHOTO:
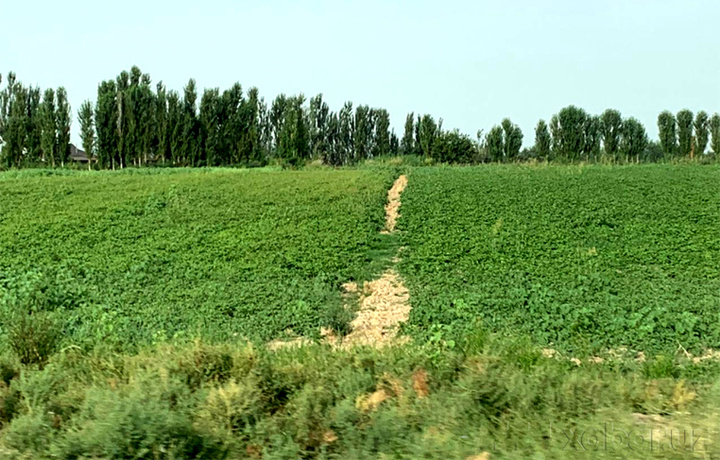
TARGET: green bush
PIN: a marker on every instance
(33, 338)
(149, 418)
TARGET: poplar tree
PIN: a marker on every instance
(162, 141)
(684, 129)
(407, 144)
(634, 139)
(346, 127)
(5, 97)
(48, 137)
(16, 129)
(572, 131)
(233, 114)
(318, 121)
(667, 133)
(190, 147)
(701, 126)
(362, 134)
(593, 137)
(145, 107)
(382, 132)
(34, 125)
(610, 131)
(294, 142)
(3, 111)
(87, 130)
(253, 116)
(715, 133)
(211, 124)
(333, 154)
(63, 120)
(277, 118)
(123, 85)
(555, 133)
(512, 139)
(175, 127)
(106, 125)
(427, 132)
(542, 140)
(494, 143)
(394, 144)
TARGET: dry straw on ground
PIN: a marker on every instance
(393, 205)
(383, 306)
(384, 302)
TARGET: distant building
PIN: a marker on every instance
(78, 155)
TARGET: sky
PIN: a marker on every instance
(470, 62)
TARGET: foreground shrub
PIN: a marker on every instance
(33, 338)
(314, 402)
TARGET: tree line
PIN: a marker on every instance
(133, 123)
(34, 126)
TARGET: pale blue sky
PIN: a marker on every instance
(470, 62)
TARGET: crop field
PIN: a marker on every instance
(581, 259)
(127, 298)
(135, 258)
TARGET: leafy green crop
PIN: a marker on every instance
(582, 258)
(217, 254)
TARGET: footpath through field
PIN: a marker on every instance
(384, 302)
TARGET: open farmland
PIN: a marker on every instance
(137, 258)
(155, 278)
(582, 259)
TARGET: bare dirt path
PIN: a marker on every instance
(392, 208)
(383, 302)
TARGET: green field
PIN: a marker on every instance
(583, 259)
(127, 300)
(221, 254)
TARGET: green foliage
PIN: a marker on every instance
(150, 419)
(49, 131)
(685, 132)
(701, 126)
(30, 306)
(63, 119)
(512, 139)
(382, 133)
(33, 337)
(407, 144)
(189, 151)
(577, 257)
(668, 136)
(633, 141)
(715, 133)
(495, 144)
(318, 120)
(412, 401)
(15, 132)
(106, 113)
(290, 129)
(543, 141)
(87, 129)
(33, 152)
(426, 132)
(611, 128)
(593, 137)
(453, 147)
(222, 254)
(571, 122)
